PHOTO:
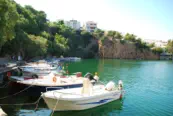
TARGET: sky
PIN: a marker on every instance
(148, 19)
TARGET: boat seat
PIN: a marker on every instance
(87, 87)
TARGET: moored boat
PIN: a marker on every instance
(41, 68)
(50, 82)
(82, 98)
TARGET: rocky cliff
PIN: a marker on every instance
(127, 50)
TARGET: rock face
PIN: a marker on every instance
(115, 49)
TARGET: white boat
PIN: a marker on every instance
(82, 98)
(40, 67)
(49, 82)
(70, 59)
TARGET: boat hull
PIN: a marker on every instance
(81, 104)
(36, 90)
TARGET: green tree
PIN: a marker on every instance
(130, 37)
(98, 33)
(141, 45)
(86, 37)
(114, 35)
(45, 34)
(59, 46)
(31, 20)
(170, 46)
(36, 46)
(158, 50)
(151, 45)
(8, 18)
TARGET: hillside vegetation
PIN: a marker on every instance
(26, 31)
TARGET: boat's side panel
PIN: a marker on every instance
(36, 90)
(64, 105)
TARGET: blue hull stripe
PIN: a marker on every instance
(99, 102)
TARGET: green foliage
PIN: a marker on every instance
(122, 41)
(37, 46)
(141, 45)
(45, 34)
(61, 42)
(130, 37)
(114, 35)
(86, 37)
(30, 20)
(157, 50)
(26, 31)
(151, 45)
(103, 39)
(170, 46)
(98, 33)
(8, 18)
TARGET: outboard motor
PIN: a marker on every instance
(110, 86)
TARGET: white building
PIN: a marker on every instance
(158, 43)
(91, 26)
(73, 24)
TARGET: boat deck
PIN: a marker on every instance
(76, 93)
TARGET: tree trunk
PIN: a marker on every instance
(103, 52)
(0, 50)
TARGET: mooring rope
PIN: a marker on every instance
(17, 92)
(37, 102)
(5, 85)
(22, 104)
(56, 103)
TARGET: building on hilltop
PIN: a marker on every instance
(73, 24)
(158, 43)
(91, 26)
(166, 56)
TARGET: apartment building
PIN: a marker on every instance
(91, 26)
(73, 24)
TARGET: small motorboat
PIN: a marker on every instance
(69, 59)
(51, 82)
(37, 69)
(82, 98)
(41, 68)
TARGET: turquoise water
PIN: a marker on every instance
(148, 89)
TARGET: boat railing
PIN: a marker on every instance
(47, 88)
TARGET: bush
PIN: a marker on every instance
(122, 41)
(157, 50)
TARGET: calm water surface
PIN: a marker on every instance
(148, 90)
